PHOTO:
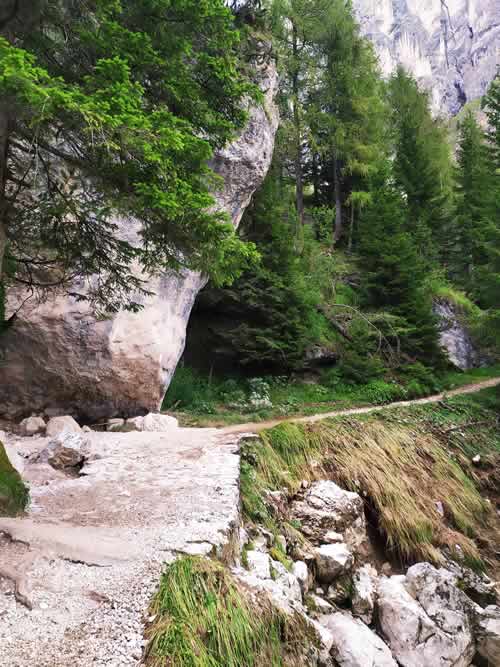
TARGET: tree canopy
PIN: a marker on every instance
(113, 109)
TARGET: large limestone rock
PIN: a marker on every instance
(355, 645)
(332, 560)
(329, 514)
(450, 46)
(426, 619)
(59, 355)
(454, 337)
(364, 585)
(488, 635)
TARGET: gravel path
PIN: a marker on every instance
(257, 427)
(91, 548)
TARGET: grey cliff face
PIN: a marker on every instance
(59, 357)
(450, 46)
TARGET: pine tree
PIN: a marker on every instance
(490, 274)
(473, 203)
(422, 166)
(394, 274)
(272, 307)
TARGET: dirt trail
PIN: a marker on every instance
(257, 427)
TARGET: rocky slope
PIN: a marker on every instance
(451, 46)
(57, 356)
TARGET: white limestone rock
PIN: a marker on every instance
(301, 572)
(319, 606)
(32, 426)
(454, 337)
(425, 619)
(65, 451)
(488, 635)
(58, 425)
(355, 645)
(325, 509)
(59, 355)
(287, 581)
(259, 564)
(365, 582)
(450, 46)
(332, 560)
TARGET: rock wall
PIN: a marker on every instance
(58, 357)
(451, 46)
(454, 337)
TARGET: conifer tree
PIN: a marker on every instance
(490, 274)
(422, 166)
(112, 109)
(394, 273)
(473, 203)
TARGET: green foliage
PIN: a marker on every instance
(395, 275)
(422, 166)
(14, 495)
(204, 619)
(387, 458)
(273, 307)
(115, 109)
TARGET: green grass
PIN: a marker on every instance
(14, 495)
(387, 456)
(204, 619)
(196, 400)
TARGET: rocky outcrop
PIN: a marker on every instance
(57, 355)
(329, 514)
(451, 46)
(426, 619)
(454, 337)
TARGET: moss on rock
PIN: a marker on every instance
(14, 495)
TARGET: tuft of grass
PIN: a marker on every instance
(204, 619)
(14, 494)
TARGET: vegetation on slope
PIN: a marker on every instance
(409, 464)
(14, 495)
(203, 618)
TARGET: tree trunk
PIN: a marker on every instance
(337, 234)
(351, 229)
(299, 181)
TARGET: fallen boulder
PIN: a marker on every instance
(58, 425)
(355, 645)
(425, 619)
(32, 426)
(65, 451)
(152, 422)
(326, 508)
(332, 560)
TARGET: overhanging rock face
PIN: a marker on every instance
(57, 356)
(450, 46)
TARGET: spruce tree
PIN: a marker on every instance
(394, 273)
(422, 166)
(473, 203)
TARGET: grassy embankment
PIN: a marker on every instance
(408, 463)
